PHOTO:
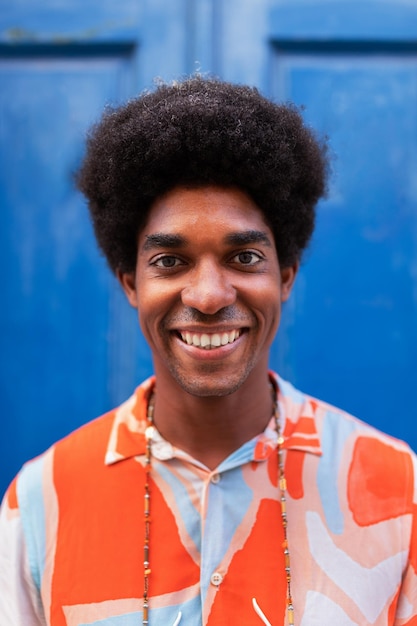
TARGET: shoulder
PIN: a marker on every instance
(329, 419)
(362, 451)
(75, 456)
(36, 480)
(363, 475)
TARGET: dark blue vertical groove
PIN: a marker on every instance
(217, 37)
(194, 28)
(190, 38)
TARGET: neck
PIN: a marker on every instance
(211, 428)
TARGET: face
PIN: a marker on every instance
(208, 289)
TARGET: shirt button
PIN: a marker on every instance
(216, 579)
(215, 478)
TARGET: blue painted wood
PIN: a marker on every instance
(378, 20)
(204, 42)
(56, 314)
(350, 335)
(70, 344)
(245, 41)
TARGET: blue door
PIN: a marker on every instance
(70, 347)
(349, 334)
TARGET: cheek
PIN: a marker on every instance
(146, 312)
(152, 307)
(271, 306)
(274, 319)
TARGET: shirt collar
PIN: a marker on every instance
(298, 411)
(127, 435)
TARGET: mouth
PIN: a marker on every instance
(210, 341)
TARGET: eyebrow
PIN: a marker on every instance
(248, 237)
(164, 240)
(172, 241)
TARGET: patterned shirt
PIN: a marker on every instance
(72, 527)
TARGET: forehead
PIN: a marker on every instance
(183, 209)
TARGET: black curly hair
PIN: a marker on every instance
(201, 131)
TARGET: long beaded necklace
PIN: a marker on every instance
(282, 484)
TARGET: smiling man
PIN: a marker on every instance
(217, 493)
(209, 293)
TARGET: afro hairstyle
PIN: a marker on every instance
(198, 132)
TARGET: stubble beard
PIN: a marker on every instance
(203, 384)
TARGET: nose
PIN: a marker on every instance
(208, 289)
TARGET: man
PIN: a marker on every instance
(217, 493)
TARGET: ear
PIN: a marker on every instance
(128, 283)
(288, 275)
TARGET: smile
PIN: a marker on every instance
(210, 341)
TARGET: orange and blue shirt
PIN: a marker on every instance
(72, 527)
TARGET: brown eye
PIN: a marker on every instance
(167, 262)
(247, 258)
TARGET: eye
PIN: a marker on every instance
(167, 262)
(246, 257)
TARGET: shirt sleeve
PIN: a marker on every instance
(20, 601)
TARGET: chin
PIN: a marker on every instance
(205, 387)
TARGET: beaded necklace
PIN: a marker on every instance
(282, 484)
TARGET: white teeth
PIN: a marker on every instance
(225, 339)
(216, 340)
(206, 341)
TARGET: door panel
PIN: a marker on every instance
(70, 344)
(58, 292)
(354, 319)
(342, 20)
